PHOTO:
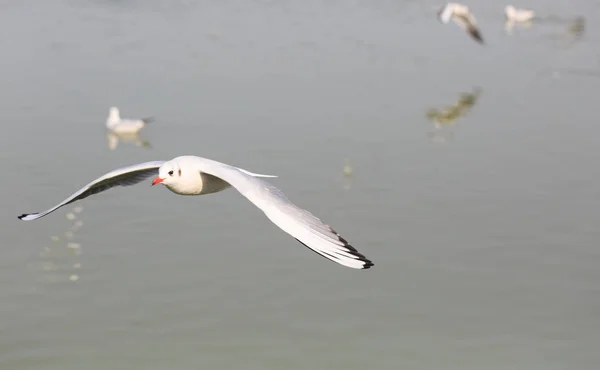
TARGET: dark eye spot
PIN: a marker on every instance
(180, 172)
(171, 173)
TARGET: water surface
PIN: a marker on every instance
(484, 242)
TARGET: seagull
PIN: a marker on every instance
(115, 123)
(461, 15)
(191, 175)
(518, 15)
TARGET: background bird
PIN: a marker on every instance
(461, 15)
(119, 125)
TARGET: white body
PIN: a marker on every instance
(191, 175)
(119, 125)
(451, 10)
(518, 15)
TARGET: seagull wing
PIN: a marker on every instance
(125, 176)
(299, 223)
(475, 33)
(467, 22)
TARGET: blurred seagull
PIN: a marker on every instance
(461, 15)
(518, 15)
(115, 123)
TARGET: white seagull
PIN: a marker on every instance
(191, 175)
(518, 15)
(461, 15)
(115, 123)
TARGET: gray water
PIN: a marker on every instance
(483, 233)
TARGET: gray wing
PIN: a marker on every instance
(299, 223)
(475, 34)
(468, 23)
(125, 176)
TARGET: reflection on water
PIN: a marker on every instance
(440, 136)
(576, 29)
(571, 30)
(572, 33)
(59, 261)
(113, 140)
(446, 117)
(578, 72)
(510, 24)
(348, 172)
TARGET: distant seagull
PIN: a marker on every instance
(116, 124)
(518, 15)
(461, 15)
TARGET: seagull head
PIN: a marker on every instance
(180, 175)
(114, 118)
(168, 174)
(444, 13)
(510, 11)
(439, 11)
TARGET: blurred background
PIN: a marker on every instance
(467, 173)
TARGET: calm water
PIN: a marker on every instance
(484, 234)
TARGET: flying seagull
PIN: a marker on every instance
(191, 175)
(461, 15)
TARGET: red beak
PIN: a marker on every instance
(157, 180)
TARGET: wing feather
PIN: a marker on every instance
(125, 176)
(305, 227)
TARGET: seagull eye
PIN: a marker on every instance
(171, 173)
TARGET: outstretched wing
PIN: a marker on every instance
(467, 22)
(125, 176)
(299, 223)
(475, 33)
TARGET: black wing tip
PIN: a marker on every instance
(477, 36)
(368, 264)
(148, 119)
(355, 253)
(361, 257)
(24, 215)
